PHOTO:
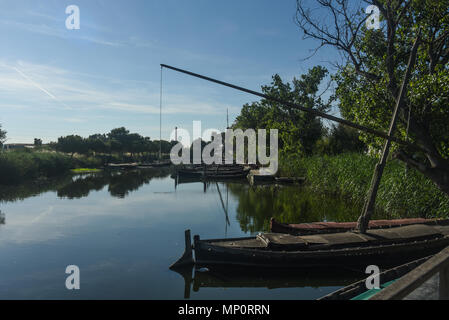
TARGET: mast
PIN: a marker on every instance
(160, 121)
(368, 209)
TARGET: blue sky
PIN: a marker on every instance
(55, 82)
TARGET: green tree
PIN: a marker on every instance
(37, 142)
(344, 139)
(118, 139)
(369, 80)
(2, 136)
(298, 130)
(97, 143)
(72, 144)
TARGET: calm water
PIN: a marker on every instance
(124, 230)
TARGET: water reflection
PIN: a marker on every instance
(255, 205)
(233, 277)
(292, 204)
(125, 228)
(2, 218)
(120, 184)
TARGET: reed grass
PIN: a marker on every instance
(402, 193)
(25, 165)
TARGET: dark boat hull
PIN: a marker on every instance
(423, 241)
(213, 174)
(211, 255)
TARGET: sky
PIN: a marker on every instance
(56, 82)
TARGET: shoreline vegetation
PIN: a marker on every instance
(76, 153)
(402, 193)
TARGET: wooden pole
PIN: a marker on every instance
(296, 106)
(368, 208)
(160, 121)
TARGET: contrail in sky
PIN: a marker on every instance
(40, 88)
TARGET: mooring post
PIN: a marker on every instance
(368, 209)
(187, 258)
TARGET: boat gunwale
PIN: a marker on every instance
(317, 253)
(358, 287)
(288, 228)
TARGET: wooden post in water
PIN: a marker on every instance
(368, 209)
(187, 257)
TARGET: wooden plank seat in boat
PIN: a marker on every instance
(411, 232)
(282, 241)
(250, 243)
(333, 227)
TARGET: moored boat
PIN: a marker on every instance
(121, 166)
(358, 290)
(289, 180)
(332, 227)
(217, 172)
(349, 248)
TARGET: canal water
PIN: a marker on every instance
(124, 229)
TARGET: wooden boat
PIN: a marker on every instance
(214, 173)
(164, 163)
(290, 180)
(349, 248)
(332, 227)
(256, 179)
(226, 176)
(125, 166)
(358, 290)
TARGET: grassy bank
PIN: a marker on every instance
(20, 166)
(402, 192)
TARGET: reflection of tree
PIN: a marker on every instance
(82, 186)
(120, 183)
(30, 189)
(2, 218)
(288, 204)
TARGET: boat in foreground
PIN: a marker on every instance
(333, 227)
(358, 290)
(275, 250)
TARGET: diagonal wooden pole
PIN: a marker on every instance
(368, 209)
(299, 107)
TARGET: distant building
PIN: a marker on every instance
(17, 146)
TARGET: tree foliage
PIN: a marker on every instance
(340, 139)
(369, 79)
(298, 130)
(117, 141)
(2, 136)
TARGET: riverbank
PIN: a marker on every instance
(20, 166)
(402, 193)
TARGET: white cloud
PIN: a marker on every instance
(35, 84)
